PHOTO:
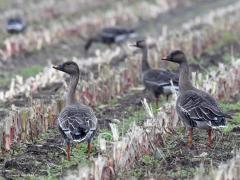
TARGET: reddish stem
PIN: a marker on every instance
(12, 132)
(68, 151)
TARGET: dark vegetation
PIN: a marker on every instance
(30, 159)
(45, 155)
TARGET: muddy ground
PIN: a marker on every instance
(182, 162)
(45, 155)
(178, 161)
(30, 159)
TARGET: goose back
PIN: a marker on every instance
(198, 109)
(15, 25)
(110, 36)
(117, 31)
(157, 80)
(115, 34)
(77, 122)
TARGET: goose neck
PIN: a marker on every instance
(71, 99)
(184, 78)
(145, 64)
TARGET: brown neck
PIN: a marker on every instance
(184, 79)
(145, 64)
(71, 99)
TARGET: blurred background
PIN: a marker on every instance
(97, 34)
(34, 33)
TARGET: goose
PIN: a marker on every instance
(111, 35)
(196, 108)
(15, 25)
(76, 122)
(157, 81)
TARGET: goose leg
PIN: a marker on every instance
(89, 148)
(190, 137)
(210, 137)
(68, 151)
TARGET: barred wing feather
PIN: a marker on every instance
(76, 121)
(199, 109)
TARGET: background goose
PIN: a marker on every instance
(155, 80)
(195, 107)
(111, 35)
(76, 122)
(15, 25)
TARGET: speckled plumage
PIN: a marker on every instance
(199, 109)
(157, 81)
(77, 122)
(195, 107)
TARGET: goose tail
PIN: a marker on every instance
(228, 116)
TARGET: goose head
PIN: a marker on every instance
(68, 67)
(140, 44)
(176, 56)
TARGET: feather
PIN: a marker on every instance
(198, 110)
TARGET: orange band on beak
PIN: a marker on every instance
(165, 58)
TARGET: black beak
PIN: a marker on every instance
(134, 45)
(165, 59)
(58, 67)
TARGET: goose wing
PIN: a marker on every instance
(159, 78)
(114, 31)
(198, 111)
(77, 122)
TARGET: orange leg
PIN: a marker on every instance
(190, 137)
(68, 149)
(209, 137)
(89, 148)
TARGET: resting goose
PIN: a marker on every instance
(195, 107)
(15, 25)
(111, 35)
(155, 80)
(76, 122)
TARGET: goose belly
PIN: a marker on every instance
(133, 35)
(169, 89)
(120, 38)
(203, 124)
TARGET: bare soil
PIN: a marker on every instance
(41, 154)
(32, 157)
(181, 162)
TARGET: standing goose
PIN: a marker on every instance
(155, 80)
(76, 122)
(195, 108)
(110, 36)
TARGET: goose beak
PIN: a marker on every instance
(58, 67)
(165, 59)
(55, 67)
(133, 45)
